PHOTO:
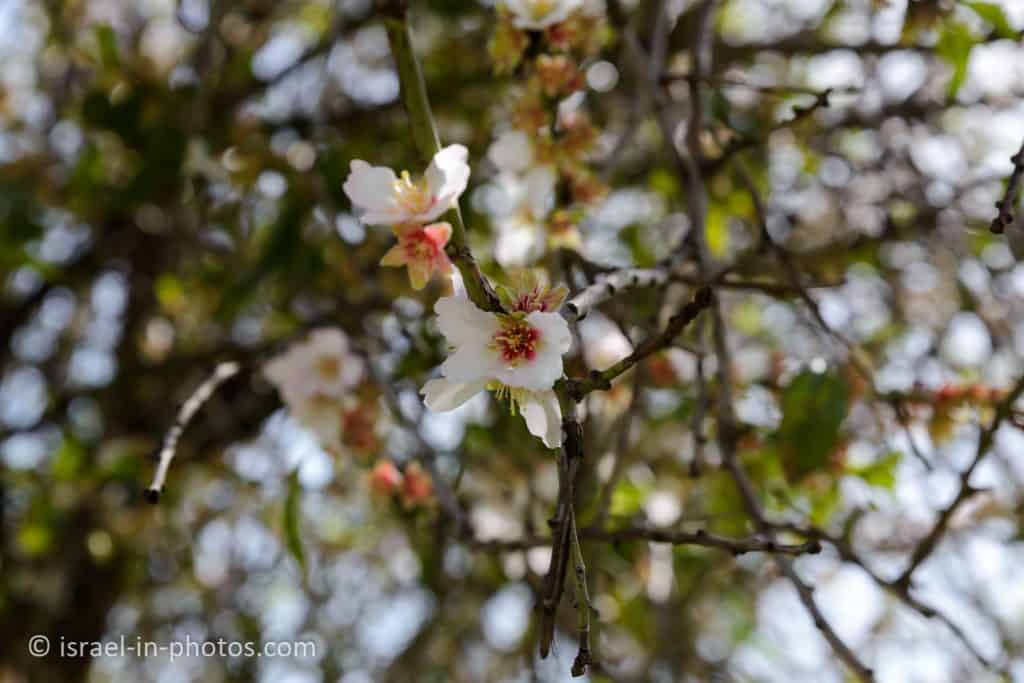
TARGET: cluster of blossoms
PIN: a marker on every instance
(516, 353)
(542, 155)
(413, 487)
(321, 383)
(411, 207)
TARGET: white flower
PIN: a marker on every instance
(525, 197)
(314, 377)
(511, 152)
(518, 355)
(539, 14)
(387, 199)
(522, 233)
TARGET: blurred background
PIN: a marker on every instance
(171, 198)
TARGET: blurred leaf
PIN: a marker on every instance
(68, 460)
(813, 407)
(717, 231)
(994, 15)
(824, 504)
(882, 472)
(627, 499)
(632, 238)
(954, 46)
(664, 182)
(106, 39)
(291, 519)
(34, 539)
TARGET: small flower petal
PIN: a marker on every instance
(442, 395)
(395, 257)
(447, 177)
(543, 417)
(461, 322)
(370, 189)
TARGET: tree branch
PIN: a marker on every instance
(189, 408)
(1005, 205)
(928, 544)
(602, 379)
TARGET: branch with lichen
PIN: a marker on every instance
(222, 373)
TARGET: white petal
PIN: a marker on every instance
(518, 243)
(540, 190)
(554, 331)
(447, 177)
(524, 17)
(511, 152)
(543, 417)
(371, 189)
(472, 362)
(328, 340)
(441, 395)
(461, 322)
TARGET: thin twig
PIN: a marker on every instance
(700, 538)
(583, 606)
(603, 379)
(222, 373)
(569, 460)
(928, 544)
(1006, 205)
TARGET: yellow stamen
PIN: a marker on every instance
(541, 8)
(413, 196)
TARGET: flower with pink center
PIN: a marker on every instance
(518, 355)
(422, 251)
(387, 199)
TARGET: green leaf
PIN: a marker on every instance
(954, 46)
(813, 407)
(633, 238)
(627, 499)
(291, 519)
(993, 14)
(824, 504)
(717, 231)
(882, 472)
(107, 41)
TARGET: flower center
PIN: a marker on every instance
(516, 341)
(413, 196)
(419, 246)
(329, 367)
(540, 8)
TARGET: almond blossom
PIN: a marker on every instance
(422, 250)
(525, 196)
(536, 15)
(387, 199)
(517, 355)
(315, 376)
